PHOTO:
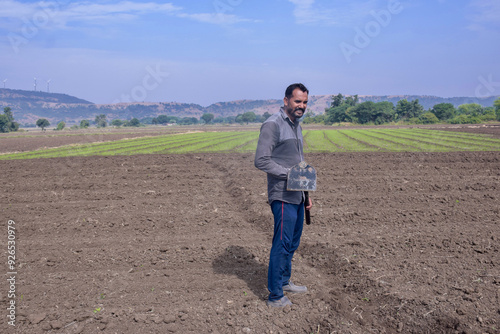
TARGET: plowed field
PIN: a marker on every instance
(399, 243)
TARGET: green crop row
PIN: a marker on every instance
(462, 135)
(344, 140)
(413, 144)
(317, 141)
(216, 144)
(466, 143)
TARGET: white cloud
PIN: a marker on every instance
(60, 15)
(343, 13)
(305, 13)
(63, 14)
(486, 14)
(86, 11)
(10, 8)
(214, 18)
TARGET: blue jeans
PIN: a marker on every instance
(288, 224)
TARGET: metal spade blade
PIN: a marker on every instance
(302, 177)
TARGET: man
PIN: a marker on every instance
(280, 148)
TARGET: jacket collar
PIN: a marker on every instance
(287, 118)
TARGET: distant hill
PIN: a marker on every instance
(28, 106)
(17, 96)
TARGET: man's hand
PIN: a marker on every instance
(310, 204)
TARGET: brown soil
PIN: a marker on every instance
(486, 129)
(400, 242)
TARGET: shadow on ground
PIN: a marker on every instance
(238, 261)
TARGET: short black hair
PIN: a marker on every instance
(292, 87)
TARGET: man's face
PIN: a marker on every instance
(295, 106)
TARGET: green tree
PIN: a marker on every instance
(470, 109)
(444, 111)
(207, 117)
(407, 110)
(248, 117)
(308, 118)
(100, 121)
(134, 122)
(488, 114)
(164, 119)
(428, 118)
(8, 113)
(84, 124)
(265, 116)
(370, 112)
(465, 119)
(363, 112)
(340, 109)
(338, 114)
(7, 123)
(4, 123)
(337, 100)
(319, 119)
(230, 119)
(352, 100)
(42, 123)
(219, 120)
(497, 108)
(188, 121)
(117, 122)
(384, 112)
(60, 125)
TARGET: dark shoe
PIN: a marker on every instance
(284, 301)
(292, 288)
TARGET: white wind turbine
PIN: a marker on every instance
(48, 82)
(4, 83)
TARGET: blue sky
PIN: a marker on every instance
(220, 50)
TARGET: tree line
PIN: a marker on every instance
(343, 109)
(348, 109)
(101, 121)
(209, 118)
(7, 123)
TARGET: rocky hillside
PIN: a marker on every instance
(28, 106)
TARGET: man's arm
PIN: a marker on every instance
(268, 139)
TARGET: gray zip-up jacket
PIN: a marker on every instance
(279, 148)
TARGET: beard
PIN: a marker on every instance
(298, 112)
(295, 113)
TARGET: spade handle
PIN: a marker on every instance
(306, 203)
